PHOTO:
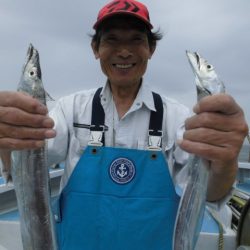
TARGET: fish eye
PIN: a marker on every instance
(33, 72)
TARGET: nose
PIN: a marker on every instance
(124, 52)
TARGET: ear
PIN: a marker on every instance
(95, 49)
(152, 50)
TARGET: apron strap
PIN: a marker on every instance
(155, 124)
(98, 128)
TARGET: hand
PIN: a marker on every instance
(24, 123)
(216, 133)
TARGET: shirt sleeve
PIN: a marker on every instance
(58, 146)
(175, 115)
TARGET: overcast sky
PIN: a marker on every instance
(218, 30)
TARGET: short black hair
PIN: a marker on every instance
(126, 21)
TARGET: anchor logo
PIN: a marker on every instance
(122, 170)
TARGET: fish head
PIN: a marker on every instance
(31, 78)
(205, 76)
(32, 69)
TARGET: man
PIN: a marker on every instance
(119, 192)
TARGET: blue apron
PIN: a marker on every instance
(118, 199)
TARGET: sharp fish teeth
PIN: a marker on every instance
(123, 66)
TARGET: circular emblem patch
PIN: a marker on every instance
(122, 170)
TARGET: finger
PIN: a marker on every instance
(213, 137)
(217, 103)
(209, 152)
(20, 144)
(216, 121)
(22, 101)
(16, 116)
(19, 132)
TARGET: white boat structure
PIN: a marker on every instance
(216, 228)
(10, 237)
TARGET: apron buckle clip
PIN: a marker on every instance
(154, 140)
(96, 133)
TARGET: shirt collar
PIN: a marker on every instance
(144, 96)
(106, 94)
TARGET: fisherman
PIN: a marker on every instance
(125, 147)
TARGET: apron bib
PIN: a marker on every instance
(118, 199)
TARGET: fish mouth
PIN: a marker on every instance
(194, 60)
(33, 60)
(30, 52)
(198, 60)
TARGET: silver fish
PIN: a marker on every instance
(30, 173)
(192, 204)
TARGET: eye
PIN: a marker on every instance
(32, 71)
(137, 38)
(110, 38)
(209, 66)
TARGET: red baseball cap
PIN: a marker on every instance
(127, 7)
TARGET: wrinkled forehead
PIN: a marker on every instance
(124, 22)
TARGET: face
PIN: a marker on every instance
(123, 55)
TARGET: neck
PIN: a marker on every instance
(124, 97)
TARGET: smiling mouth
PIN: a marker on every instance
(124, 66)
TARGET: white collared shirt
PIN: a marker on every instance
(131, 131)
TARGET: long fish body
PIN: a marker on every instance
(30, 173)
(192, 204)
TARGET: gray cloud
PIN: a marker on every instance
(219, 30)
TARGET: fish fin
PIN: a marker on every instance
(48, 97)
